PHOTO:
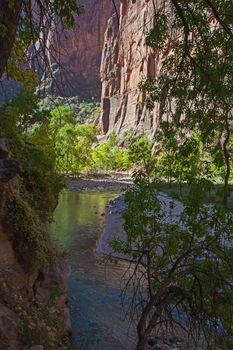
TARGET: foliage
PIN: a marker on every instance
(43, 324)
(182, 274)
(23, 110)
(17, 66)
(59, 117)
(74, 146)
(182, 270)
(180, 156)
(84, 112)
(39, 182)
(25, 25)
(37, 168)
(66, 141)
(39, 178)
(194, 85)
(140, 152)
(109, 156)
(32, 247)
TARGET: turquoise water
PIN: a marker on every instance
(98, 320)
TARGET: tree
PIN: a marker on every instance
(182, 266)
(9, 23)
(28, 22)
(24, 110)
(74, 147)
(60, 116)
(194, 86)
(140, 152)
(109, 156)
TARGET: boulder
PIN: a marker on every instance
(53, 276)
(53, 280)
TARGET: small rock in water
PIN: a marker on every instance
(103, 214)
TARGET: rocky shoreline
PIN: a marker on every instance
(113, 183)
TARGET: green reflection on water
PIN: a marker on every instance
(94, 287)
(77, 214)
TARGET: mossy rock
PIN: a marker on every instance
(29, 239)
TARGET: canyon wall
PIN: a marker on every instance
(78, 51)
(126, 61)
(73, 56)
(30, 300)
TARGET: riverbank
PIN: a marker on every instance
(114, 229)
(115, 182)
(114, 222)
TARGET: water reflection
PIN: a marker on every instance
(94, 288)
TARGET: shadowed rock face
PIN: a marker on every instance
(54, 276)
(9, 168)
(126, 61)
(8, 329)
(78, 51)
(37, 287)
(4, 148)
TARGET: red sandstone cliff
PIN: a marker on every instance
(78, 51)
(126, 61)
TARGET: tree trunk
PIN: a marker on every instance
(142, 343)
(9, 19)
(227, 162)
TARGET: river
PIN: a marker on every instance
(98, 321)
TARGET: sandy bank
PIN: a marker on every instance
(114, 222)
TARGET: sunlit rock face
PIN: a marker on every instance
(126, 61)
(78, 51)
